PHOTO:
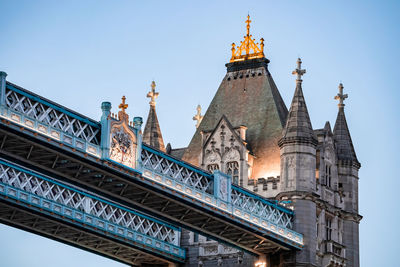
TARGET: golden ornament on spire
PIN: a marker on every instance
(122, 114)
(123, 105)
(242, 52)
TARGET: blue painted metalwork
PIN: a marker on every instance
(105, 129)
(265, 201)
(46, 193)
(46, 118)
(242, 204)
(155, 165)
(179, 162)
(51, 104)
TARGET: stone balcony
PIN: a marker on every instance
(334, 254)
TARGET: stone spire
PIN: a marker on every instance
(152, 132)
(298, 127)
(344, 146)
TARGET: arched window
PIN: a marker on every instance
(212, 167)
(232, 168)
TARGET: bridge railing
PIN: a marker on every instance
(51, 119)
(35, 189)
(217, 190)
(181, 172)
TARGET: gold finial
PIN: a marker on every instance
(242, 52)
(298, 71)
(122, 114)
(248, 21)
(153, 94)
(198, 117)
(340, 96)
(123, 105)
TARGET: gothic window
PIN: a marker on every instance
(232, 168)
(212, 167)
(328, 229)
(328, 175)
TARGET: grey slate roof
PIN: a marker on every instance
(344, 146)
(298, 125)
(152, 132)
(247, 96)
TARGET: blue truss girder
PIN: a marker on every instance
(56, 198)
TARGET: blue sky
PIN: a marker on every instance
(80, 53)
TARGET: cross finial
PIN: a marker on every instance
(123, 105)
(122, 114)
(248, 21)
(153, 94)
(298, 71)
(198, 117)
(340, 96)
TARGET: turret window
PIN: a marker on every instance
(232, 168)
(328, 175)
(212, 167)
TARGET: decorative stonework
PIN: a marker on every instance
(224, 148)
(123, 138)
(123, 145)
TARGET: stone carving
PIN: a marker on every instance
(231, 155)
(123, 142)
(223, 188)
(211, 250)
(122, 149)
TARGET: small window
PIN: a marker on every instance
(328, 175)
(195, 237)
(328, 229)
(232, 168)
(212, 167)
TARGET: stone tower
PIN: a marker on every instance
(250, 114)
(348, 167)
(298, 161)
(248, 133)
(152, 133)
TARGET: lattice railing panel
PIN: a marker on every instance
(46, 114)
(87, 204)
(260, 208)
(167, 167)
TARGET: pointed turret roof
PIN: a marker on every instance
(152, 132)
(298, 127)
(344, 145)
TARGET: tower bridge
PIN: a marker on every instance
(104, 186)
(97, 186)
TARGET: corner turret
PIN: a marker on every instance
(152, 132)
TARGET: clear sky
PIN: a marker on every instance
(80, 53)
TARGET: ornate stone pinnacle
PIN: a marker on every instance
(242, 52)
(153, 94)
(198, 117)
(298, 71)
(340, 96)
